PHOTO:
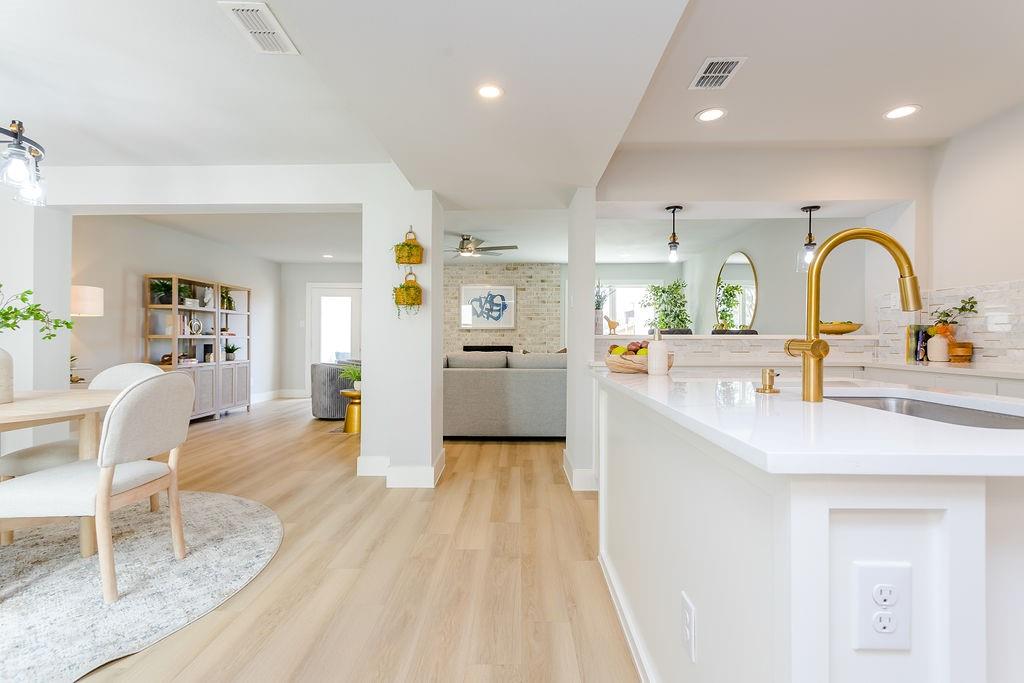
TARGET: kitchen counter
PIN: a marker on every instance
(968, 369)
(760, 511)
(782, 434)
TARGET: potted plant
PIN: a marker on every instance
(727, 299)
(669, 304)
(408, 295)
(227, 302)
(409, 251)
(15, 310)
(354, 373)
(601, 295)
(943, 331)
(160, 291)
(229, 351)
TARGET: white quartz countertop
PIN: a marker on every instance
(781, 434)
(971, 369)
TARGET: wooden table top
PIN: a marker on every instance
(36, 406)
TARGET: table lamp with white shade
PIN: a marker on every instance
(86, 302)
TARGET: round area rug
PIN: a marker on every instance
(54, 625)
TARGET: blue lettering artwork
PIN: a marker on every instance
(490, 307)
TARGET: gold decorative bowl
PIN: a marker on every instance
(839, 328)
(632, 364)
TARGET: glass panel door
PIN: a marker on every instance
(334, 314)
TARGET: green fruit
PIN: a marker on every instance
(642, 352)
(618, 350)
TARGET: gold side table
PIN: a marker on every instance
(354, 411)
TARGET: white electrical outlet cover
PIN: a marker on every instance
(881, 605)
(690, 626)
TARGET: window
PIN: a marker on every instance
(335, 328)
(624, 307)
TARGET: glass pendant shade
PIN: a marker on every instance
(805, 256)
(33, 192)
(15, 166)
(673, 252)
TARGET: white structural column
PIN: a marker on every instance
(580, 463)
(36, 256)
(401, 424)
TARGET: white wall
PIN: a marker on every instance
(772, 246)
(977, 230)
(115, 252)
(294, 278)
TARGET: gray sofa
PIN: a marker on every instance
(325, 384)
(498, 394)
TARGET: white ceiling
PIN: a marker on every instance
(280, 237)
(827, 71)
(130, 82)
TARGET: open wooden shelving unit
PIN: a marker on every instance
(224, 315)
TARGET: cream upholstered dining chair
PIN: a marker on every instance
(34, 458)
(148, 418)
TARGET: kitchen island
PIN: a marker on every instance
(738, 532)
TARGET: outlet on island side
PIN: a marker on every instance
(689, 627)
(881, 605)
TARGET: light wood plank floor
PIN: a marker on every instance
(489, 577)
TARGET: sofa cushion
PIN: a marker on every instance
(545, 361)
(478, 359)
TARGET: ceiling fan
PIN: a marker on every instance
(470, 246)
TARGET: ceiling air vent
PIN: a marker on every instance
(260, 26)
(716, 72)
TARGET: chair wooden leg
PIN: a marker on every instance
(177, 531)
(105, 547)
(154, 503)
(6, 537)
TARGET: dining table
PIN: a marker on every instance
(84, 406)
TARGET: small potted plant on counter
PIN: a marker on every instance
(669, 304)
(943, 331)
(15, 310)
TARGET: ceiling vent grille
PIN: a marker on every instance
(716, 73)
(260, 26)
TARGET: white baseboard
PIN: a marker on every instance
(372, 465)
(416, 476)
(291, 393)
(579, 479)
(641, 657)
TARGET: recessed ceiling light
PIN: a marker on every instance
(902, 111)
(709, 115)
(326, 255)
(489, 91)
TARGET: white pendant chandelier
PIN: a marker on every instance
(19, 166)
(673, 241)
(805, 256)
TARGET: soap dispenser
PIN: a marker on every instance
(657, 355)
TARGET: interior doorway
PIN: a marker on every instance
(333, 312)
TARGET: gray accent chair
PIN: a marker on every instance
(325, 385)
(488, 394)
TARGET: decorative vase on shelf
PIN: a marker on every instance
(357, 385)
(938, 349)
(6, 377)
(598, 321)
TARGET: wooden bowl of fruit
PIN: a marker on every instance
(630, 358)
(836, 327)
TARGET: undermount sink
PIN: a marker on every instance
(939, 412)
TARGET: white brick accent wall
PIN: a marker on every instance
(538, 305)
(997, 330)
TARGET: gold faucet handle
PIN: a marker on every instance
(815, 348)
(768, 376)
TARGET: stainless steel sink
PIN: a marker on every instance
(939, 412)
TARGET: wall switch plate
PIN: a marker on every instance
(881, 605)
(690, 627)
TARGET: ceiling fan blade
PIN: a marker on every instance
(475, 242)
(510, 246)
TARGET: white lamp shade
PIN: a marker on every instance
(86, 302)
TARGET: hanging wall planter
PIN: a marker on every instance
(409, 251)
(408, 295)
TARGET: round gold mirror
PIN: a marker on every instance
(736, 293)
